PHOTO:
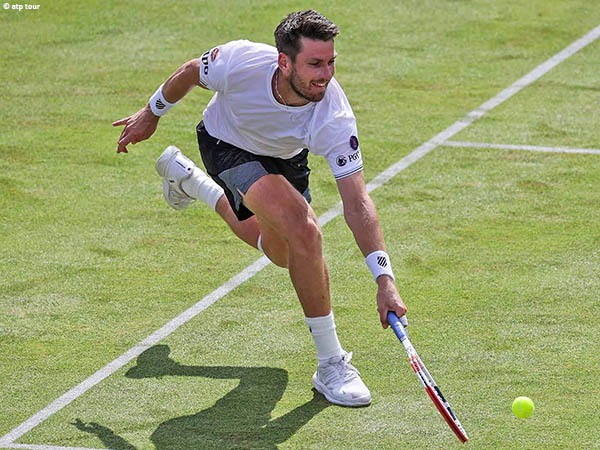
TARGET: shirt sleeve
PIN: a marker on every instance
(336, 136)
(339, 141)
(215, 65)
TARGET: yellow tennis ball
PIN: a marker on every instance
(523, 407)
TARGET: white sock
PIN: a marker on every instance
(201, 187)
(259, 243)
(323, 332)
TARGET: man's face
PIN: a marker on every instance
(313, 69)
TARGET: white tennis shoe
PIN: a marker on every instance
(340, 382)
(175, 167)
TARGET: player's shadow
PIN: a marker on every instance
(240, 419)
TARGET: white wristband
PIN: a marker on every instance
(379, 264)
(158, 104)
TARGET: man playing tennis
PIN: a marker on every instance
(270, 108)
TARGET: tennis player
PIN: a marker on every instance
(271, 107)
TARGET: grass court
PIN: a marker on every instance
(494, 235)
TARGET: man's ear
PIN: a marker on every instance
(285, 64)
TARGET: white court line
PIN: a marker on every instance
(531, 148)
(134, 352)
(257, 266)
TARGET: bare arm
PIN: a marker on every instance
(141, 125)
(361, 217)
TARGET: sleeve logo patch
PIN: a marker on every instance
(204, 61)
(342, 160)
(214, 53)
(353, 142)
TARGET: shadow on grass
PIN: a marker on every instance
(240, 419)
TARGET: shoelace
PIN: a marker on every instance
(340, 369)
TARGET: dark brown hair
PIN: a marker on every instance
(309, 24)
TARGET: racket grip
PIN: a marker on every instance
(397, 325)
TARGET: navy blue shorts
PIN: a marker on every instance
(235, 170)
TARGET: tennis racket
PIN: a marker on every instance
(425, 377)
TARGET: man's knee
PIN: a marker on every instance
(276, 203)
(305, 235)
(302, 236)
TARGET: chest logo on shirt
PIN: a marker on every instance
(353, 142)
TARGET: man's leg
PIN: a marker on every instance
(278, 204)
(251, 229)
(291, 237)
(290, 234)
(184, 182)
(281, 207)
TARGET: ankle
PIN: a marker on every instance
(323, 331)
(200, 187)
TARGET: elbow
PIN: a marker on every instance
(187, 75)
(359, 210)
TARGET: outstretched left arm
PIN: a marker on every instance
(361, 217)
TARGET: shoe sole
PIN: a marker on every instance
(355, 403)
(178, 206)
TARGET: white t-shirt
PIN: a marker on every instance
(244, 112)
